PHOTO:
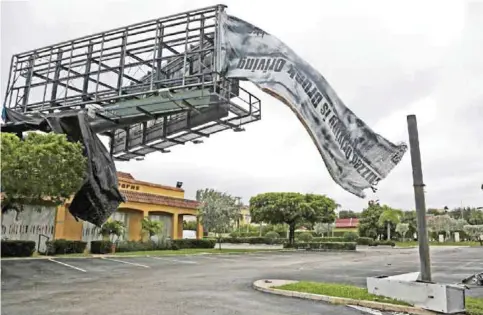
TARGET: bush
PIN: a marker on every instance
(235, 234)
(365, 241)
(134, 246)
(327, 239)
(272, 234)
(101, 247)
(326, 246)
(12, 248)
(350, 236)
(192, 243)
(252, 240)
(305, 237)
(62, 246)
(298, 233)
(383, 243)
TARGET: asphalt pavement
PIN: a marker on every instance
(208, 284)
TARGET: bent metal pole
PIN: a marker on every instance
(419, 198)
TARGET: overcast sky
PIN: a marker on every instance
(385, 59)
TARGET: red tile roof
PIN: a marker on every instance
(128, 178)
(346, 223)
(124, 175)
(135, 196)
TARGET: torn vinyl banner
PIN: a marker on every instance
(356, 157)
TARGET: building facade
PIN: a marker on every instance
(143, 200)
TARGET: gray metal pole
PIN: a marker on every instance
(419, 198)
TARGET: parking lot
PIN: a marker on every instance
(207, 284)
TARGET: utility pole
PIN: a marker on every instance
(419, 198)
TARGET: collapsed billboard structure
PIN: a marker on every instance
(173, 80)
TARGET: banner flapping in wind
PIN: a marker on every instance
(356, 157)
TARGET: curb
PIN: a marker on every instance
(263, 286)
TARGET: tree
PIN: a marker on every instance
(441, 223)
(475, 232)
(111, 229)
(369, 222)
(40, 168)
(217, 211)
(402, 229)
(189, 225)
(322, 228)
(347, 214)
(389, 217)
(151, 227)
(292, 209)
(409, 217)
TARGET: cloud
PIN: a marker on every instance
(385, 60)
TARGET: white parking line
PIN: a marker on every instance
(175, 260)
(67, 265)
(126, 262)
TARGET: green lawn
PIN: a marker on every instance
(339, 290)
(474, 306)
(413, 243)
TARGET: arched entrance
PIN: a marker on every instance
(131, 218)
(166, 218)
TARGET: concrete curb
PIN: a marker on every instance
(267, 286)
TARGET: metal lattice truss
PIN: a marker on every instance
(148, 86)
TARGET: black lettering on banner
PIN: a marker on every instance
(241, 63)
(272, 64)
(338, 129)
(348, 152)
(249, 64)
(316, 99)
(255, 65)
(268, 64)
(280, 63)
(261, 65)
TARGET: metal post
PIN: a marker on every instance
(419, 198)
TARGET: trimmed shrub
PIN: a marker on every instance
(252, 240)
(298, 233)
(351, 236)
(101, 247)
(383, 243)
(62, 246)
(326, 246)
(235, 234)
(327, 239)
(192, 243)
(134, 246)
(272, 234)
(305, 237)
(15, 248)
(365, 241)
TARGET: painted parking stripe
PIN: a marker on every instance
(67, 265)
(126, 262)
(175, 260)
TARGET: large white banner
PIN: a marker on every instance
(357, 158)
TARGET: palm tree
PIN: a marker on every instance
(389, 217)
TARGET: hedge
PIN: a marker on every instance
(62, 246)
(15, 248)
(365, 241)
(326, 246)
(383, 243)
(101, 247)
(253, 240)
(192, 243)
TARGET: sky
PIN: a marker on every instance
(385, 59)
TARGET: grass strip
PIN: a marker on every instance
(474, 306)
